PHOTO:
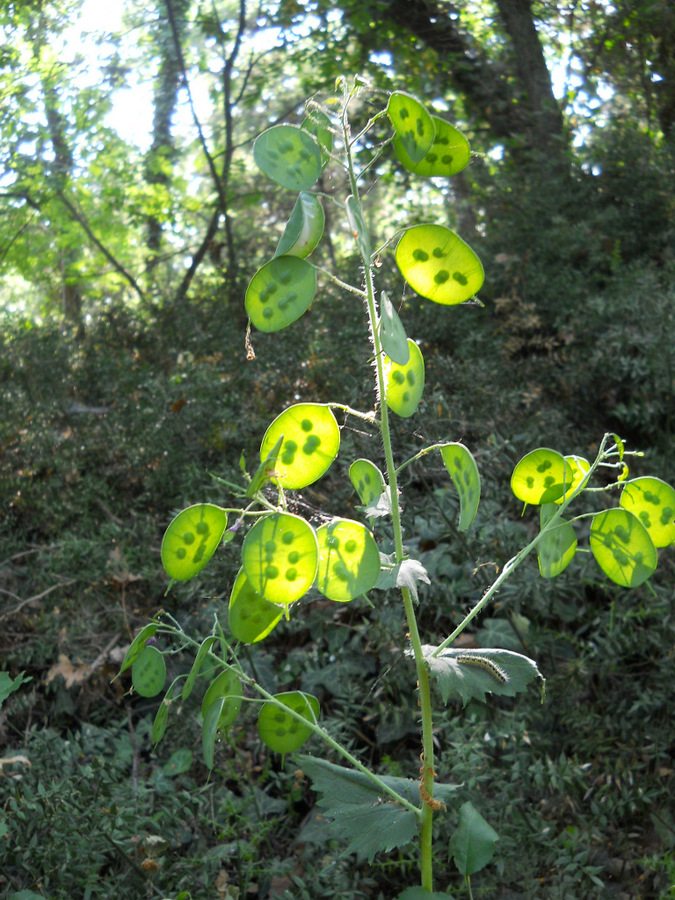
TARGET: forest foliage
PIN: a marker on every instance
(132, 219)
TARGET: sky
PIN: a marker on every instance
(132, 113)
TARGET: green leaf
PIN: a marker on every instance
(311, 440)
(226, 686)
(541, 476)
(280, 556)
(358, 226)
(577, 469)
(404, 385)
(318, 124)
(557, 547)
(392, 333)
(357, 810)
(368, 481)
(349, 561)
(412, 123)
(448, 154)
(622, 547)
(220, 707)
(8, 684)
(162, 716)
(418, 893)
(473, 673)
(210, 731)
(473, 844)
(439, 265)
(653, 502)
(137, 646)
(265, 470)
(179, 762)
(251, 617)
(281, 731)
(304, 228)
(463, 470)
(148, 673)
(196, 665)
(280, 292)
(288, 155)
(191, 540)
(26, 895)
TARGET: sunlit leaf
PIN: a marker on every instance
(288, 155)
(409, 573)
(318, 124)
(251, 618)
(191, 540)
(392, 333)
(473, 844)
(148, 673)
(412, 123)
(304, 228)
(280, 292)
(540, 477)
(349, 561)
(577, 468)
(265, 470)
(311, 440)
(622, 547)
(404, 385)
(463, 470)
(280, 556)
(368, 481)
(439, 265)
(281, 731)
(653, 502)
(448, 154)
(557, 547)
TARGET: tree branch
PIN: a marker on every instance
(82, 222)
(195, 117)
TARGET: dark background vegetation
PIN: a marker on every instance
(125, 386)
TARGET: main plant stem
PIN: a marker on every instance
(427, 770)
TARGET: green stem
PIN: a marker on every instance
(515, 561)
(313, 726)
(427, 772)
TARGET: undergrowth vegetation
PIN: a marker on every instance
(104, 439)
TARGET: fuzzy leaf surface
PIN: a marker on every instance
(409, 572)
(473, 673)
(358, 811)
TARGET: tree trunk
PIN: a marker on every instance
(546, 129)
(167, 84)
(61, 173)
(517, 104)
